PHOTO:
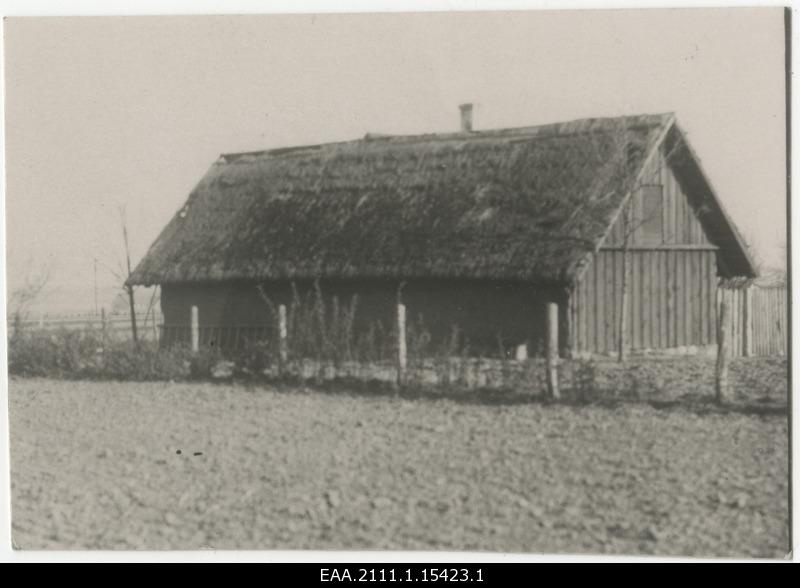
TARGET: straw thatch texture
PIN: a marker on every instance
(521, 204)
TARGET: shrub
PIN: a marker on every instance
(32, 356)
(585, 380)
(255, 357)
(127, 361)
(40, 353)
(376, 343)
(82, 353)
(202, 363)
(418, 339)
(319, 329)
(324, 329)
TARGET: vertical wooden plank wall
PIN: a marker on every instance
(768, 319)
(672, 300)
(672, 285)
(771, 331)
(681, 225)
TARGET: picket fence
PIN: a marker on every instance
(116, 325)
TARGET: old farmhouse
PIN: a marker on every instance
(482, 228)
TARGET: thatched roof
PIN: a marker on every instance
(518, 204)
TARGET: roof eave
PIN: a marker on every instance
(744, 250)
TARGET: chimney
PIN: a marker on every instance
(466, 117)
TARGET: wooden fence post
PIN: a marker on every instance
(401, 344)
(195, 330)
(103, 328)
(552, 351)
(721, 379)
(283, 350)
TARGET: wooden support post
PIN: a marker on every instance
(569, 326)
(552, 350)
(132, 305)
(721, 379)
(283, 348)
(747, 327)
(195, 330)
(401, 344)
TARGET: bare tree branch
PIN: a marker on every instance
(127, 285)
(21, 298)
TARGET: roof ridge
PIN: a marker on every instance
(539, 131)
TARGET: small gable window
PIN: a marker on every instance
(651, 229)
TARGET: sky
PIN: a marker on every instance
(104, 113)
